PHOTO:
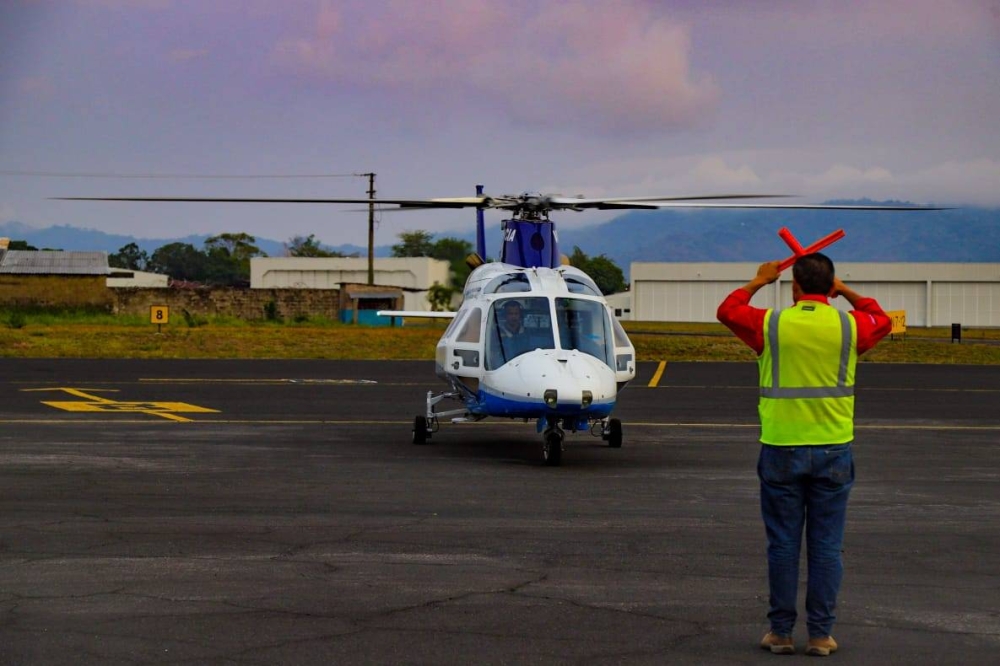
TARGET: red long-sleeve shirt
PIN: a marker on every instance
(747, 322)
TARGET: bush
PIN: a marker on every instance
(16, 319)
(271, 311)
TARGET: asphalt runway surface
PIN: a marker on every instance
(276, 512)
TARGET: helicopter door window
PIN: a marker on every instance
(459, 318)
(470, 330)
(516, 326)
(621, 338)
(510, 283)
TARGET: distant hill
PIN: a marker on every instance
(957, 235)
(65, 237)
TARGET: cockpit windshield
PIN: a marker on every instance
(584, 325)
(516, 326)
(519, 325)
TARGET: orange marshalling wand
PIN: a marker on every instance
(799, 251)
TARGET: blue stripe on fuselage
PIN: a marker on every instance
(494, 405)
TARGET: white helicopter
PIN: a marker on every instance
(534, 338)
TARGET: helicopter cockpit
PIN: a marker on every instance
(518, 325)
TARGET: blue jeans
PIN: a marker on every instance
(804, 486)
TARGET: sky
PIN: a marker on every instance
(885, 99)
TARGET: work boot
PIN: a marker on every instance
(821, 647)
(777, 644)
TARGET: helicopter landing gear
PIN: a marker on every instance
(420, 430)
(613, 433)
(552, 445)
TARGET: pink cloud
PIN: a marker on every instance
(612, 67)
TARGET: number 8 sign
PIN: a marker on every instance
(159, 314)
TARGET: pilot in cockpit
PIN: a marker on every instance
(513, 320)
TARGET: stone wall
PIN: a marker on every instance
(249, 304)
(55, 291)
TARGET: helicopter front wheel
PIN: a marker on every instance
(552, 446)
(420, 431)
(613, 434)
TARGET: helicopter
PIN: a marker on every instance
(534, 338)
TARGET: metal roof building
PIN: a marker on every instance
(53, 262)
(931, 294)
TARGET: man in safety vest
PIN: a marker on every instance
(806, 359)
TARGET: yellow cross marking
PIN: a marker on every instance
(167, 410)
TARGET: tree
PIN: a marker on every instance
(129, 257)
(21, 245)
(454, 251)
(299, 246)
(413, 244)
(440, 297)
(181, 261)
(228, 258)
(603, 271)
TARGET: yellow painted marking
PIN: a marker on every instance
(93, 403)
(656, 376)
(206, 380)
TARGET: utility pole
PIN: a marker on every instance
(371, 227)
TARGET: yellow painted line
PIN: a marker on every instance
(207, 380)
(80, 393)
(656, 376)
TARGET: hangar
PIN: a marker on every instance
(413, 275)
(931, 294)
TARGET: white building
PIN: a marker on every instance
(121, 279)
(414, 275)
(931, 294)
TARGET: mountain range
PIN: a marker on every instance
(962, 234)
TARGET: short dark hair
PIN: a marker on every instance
(508, 305)
(814, 273)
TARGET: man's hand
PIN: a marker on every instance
(841, 289)
(766, 274)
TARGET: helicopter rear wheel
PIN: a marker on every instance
(614, 435)
(420, 430)
(552, 448)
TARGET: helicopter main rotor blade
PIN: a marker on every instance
(455, 202)
(538, 203)
(796, 206)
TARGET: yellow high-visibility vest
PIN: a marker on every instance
(807, 375)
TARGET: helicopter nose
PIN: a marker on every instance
(571, 380)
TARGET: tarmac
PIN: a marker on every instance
(276, 512)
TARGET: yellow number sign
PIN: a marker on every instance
(898, 318)
(159, 314)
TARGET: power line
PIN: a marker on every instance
(193, 176)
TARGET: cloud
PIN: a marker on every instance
(970, 182)
(607, 67)
(974, 182)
